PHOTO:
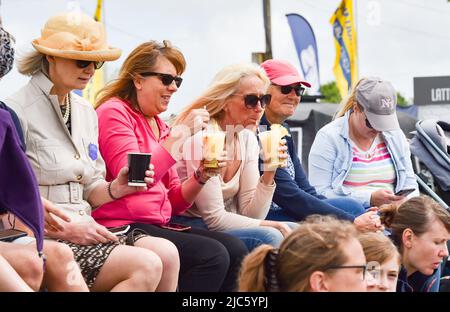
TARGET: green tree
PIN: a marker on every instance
(332, 95)
(401, 101)
(330, 92)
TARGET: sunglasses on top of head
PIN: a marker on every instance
(84, 64)
(299, 89)
(251, 100)
(166, 79)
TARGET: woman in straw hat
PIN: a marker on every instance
(61, 136)
(21, 266)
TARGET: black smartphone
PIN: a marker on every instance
(405, 192)
(176, 227)
(119, 230)
(11, 234)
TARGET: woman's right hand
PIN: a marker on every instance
(196, 120)
(382, 197)
(84, 233)
(280, 226)
(50, 212)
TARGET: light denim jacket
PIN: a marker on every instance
(330, 160)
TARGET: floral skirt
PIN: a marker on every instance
(91, 258)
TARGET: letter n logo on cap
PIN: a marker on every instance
(387, 103)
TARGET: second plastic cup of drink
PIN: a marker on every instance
(270, 142)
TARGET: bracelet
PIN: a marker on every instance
(198, 177)
(109, 191)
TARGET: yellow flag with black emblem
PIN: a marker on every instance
(345, 65)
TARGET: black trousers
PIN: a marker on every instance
(209, 261)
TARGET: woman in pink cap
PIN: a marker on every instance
(294, 198)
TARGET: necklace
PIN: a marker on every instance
(67, 108)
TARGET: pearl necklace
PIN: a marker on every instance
(67, 112)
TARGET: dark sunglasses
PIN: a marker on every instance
(299, 90)
(251, 100)
(166, 79)
(84, 64)
(368, 125)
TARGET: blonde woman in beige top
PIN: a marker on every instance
(237, 199)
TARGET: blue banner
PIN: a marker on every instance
(305, 44)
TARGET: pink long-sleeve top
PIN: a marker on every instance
(123, 130)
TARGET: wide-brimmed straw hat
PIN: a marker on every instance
(77, 36)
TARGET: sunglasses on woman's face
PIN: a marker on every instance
(166, 79)
(299, 90)
(251, 100)
(84, 64)
(368, 125)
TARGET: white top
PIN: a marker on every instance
(243, 201)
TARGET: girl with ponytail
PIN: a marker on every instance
(322, 254)
(420, 228)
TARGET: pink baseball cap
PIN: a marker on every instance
(282, 73)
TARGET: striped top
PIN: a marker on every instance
(371, 170)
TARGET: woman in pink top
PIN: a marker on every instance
(128, 112)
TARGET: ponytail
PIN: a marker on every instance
(252, 276)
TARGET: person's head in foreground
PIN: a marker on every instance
(420, 229)
(322, 254)
(383, 261)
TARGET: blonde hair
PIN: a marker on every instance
(378, 247)
(223, 86)
(314, 246)
(415, 214)
(32, 62)
(142, 59)
(348, 102)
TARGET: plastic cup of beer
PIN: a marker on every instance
(270, 142)
(213, 144)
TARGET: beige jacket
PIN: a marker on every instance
(68, 167)
(242, 202)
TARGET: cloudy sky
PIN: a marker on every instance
(397, 39)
